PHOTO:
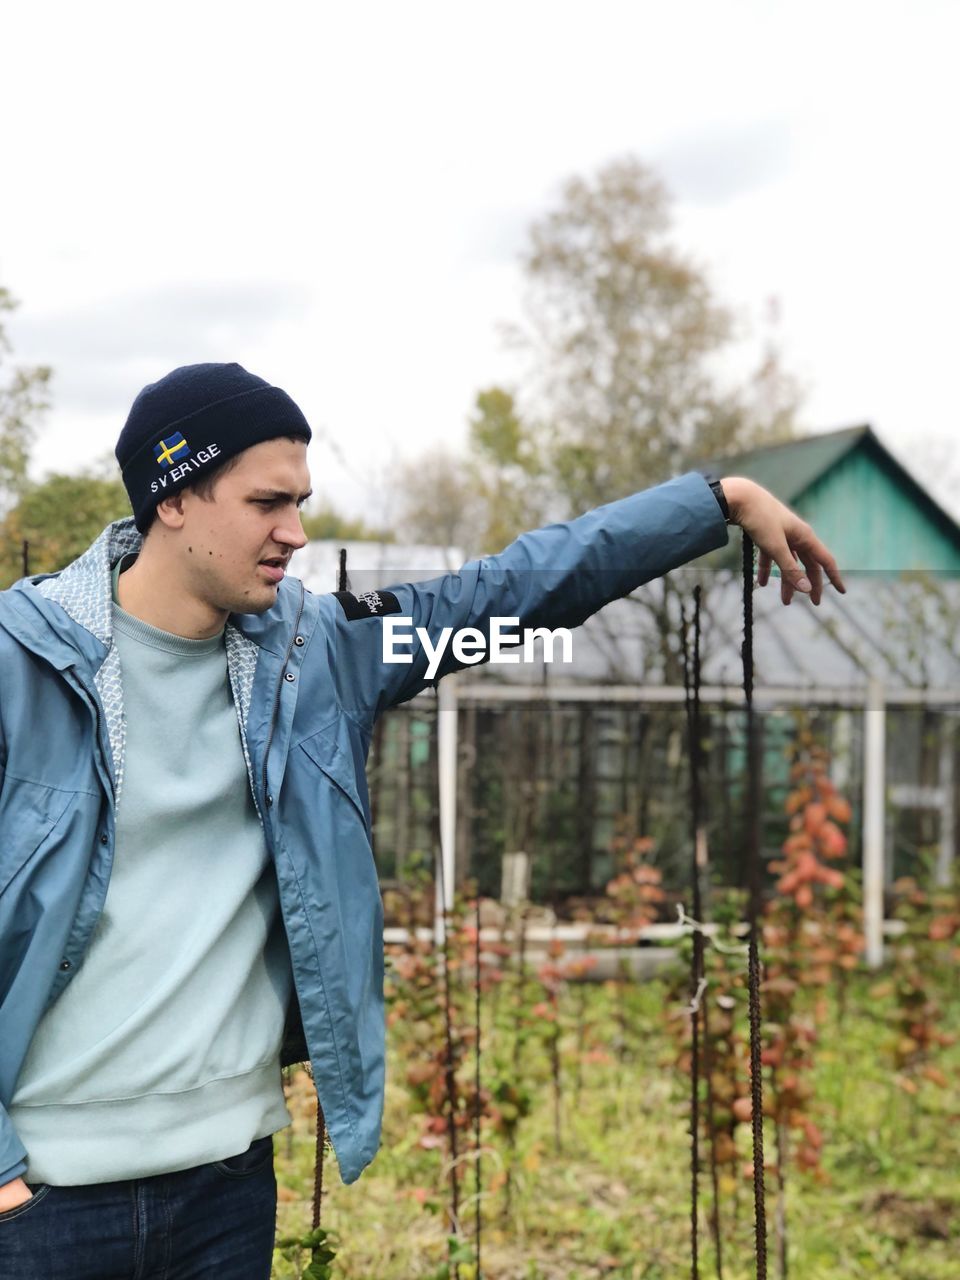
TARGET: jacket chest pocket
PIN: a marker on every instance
(326, 754)
(29, 814)
(326, 820)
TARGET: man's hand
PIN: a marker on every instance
(14, 1193)
(782, 539)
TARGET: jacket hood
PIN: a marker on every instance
(66, 618)
(33, 609)
(84, 589)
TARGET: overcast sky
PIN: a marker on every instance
(336, 195)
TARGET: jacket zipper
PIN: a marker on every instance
(267, 799)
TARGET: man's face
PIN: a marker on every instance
(235, 545)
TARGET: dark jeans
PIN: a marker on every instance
(215, 1220)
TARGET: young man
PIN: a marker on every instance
(188, 898)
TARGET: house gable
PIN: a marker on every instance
(877, 517)
(863, 504)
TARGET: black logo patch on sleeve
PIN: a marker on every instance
(368, 604)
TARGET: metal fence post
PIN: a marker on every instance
(874, 820)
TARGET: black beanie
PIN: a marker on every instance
(183, 427)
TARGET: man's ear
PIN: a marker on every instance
(170, 511)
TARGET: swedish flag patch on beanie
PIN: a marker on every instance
(183, 427)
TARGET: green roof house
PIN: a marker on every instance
(862, 502)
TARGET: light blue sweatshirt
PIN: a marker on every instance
(164, 1050)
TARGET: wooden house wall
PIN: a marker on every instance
(872, 520)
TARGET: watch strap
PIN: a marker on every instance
(716, 488)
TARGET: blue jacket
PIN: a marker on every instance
(308, 681)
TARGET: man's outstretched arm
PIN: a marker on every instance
(559, 575)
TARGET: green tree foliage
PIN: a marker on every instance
(324, 523)
(58, 519)
(23, 398)
(482, 500)
(509, 474)
(60, 516)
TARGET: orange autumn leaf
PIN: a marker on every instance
(839, 809)
(814, 817)
(935, 1076)
(742, 1109)
(833, 843)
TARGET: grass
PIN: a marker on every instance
(614, 1202)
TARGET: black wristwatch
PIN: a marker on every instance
(716, 489)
